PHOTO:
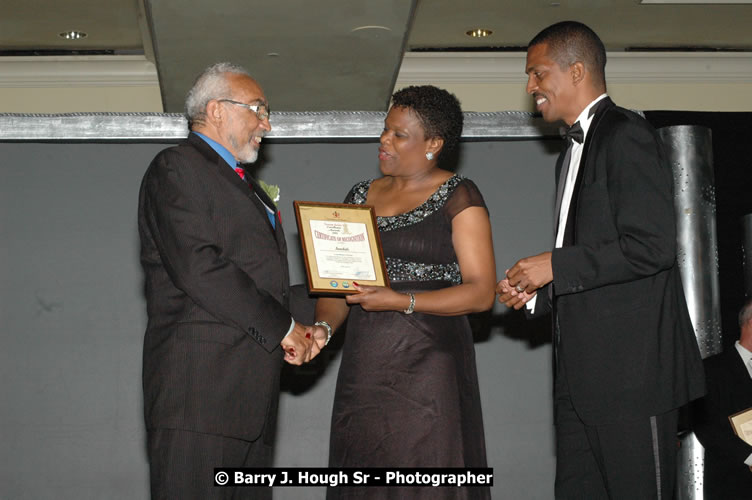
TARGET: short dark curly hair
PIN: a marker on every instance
(439, 112)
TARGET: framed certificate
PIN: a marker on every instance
(341, 245)
(742, 424)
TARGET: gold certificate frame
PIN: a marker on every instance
(742, 424)
(341, 245)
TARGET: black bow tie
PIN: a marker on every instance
(575, 133)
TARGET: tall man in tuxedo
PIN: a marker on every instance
(626, 357)
(217, 292)
(728, 459)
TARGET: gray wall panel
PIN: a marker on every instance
(73, 315)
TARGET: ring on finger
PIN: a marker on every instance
(519, 289)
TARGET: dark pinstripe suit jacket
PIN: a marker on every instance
(217, 293)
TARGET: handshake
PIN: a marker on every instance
(304, 343)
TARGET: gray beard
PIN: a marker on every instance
(251, 158)
(244, 158)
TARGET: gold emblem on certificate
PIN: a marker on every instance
(341, 245)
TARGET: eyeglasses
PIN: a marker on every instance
(261, 110)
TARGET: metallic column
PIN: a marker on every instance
(747, 254)
(689, 150)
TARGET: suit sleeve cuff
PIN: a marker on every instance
(289, 330)
(530, 304)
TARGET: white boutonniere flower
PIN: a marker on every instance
(271, 190)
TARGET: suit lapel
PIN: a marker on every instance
(562, 166)
(739, 371)
(599, 110)
(221, 166)
(253, 182)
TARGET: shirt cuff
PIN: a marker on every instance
(749, 460)
(289, 331)
(530, 304)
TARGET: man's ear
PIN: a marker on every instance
(577, 70)
(214, 112)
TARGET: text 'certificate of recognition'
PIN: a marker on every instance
(341, 247)
(342, 250)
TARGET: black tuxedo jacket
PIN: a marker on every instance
(624, 333)
(729, 391)
(217, 293)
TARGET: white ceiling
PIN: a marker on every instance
(311, 56)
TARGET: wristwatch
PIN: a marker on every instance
(328, 330)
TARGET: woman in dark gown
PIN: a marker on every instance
(407, 391)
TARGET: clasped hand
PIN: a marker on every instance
(306, 342)
(527, 275)
(303, 343)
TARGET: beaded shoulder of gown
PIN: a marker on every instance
(410, 270)
(434, 203)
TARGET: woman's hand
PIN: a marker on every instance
(378, 298)
(319, 335)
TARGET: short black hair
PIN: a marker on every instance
(572, 41)
(745, 314)
(439, 112)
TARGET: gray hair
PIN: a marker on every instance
(746, 313)
(210, 84)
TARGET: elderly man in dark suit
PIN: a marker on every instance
(625, 351)
(728, 459)
(217, 292)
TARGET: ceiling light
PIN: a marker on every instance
(479, 33)
(72, 35)
(374, 27)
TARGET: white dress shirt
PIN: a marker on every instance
(574, 167)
